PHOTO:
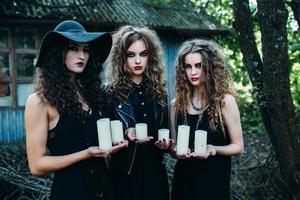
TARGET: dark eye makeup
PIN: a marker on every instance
(72, 48)
(188, 66)
(198, 65)
(144, 53)
(86, 50)
(130, 54)
(75, 47)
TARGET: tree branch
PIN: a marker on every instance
(244, 28)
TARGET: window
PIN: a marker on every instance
(5, 77)
(18, 50)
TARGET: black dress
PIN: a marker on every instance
(83, 180)
(208, 179)
(138, 171)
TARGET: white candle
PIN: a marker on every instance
(141, 131)
(200, 141)
(183, 139)
(163, 134)
(116, 131)
(104, 134)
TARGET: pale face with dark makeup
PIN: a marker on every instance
(77, 56)
(137, 60)
(193, 66)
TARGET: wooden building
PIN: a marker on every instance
(23, 24)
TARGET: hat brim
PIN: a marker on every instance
(100, 43)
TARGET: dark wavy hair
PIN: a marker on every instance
(53, 82)
(216, 79)
(119, 74)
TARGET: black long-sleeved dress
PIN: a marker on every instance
(138, 171)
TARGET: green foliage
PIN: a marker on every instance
(294, 57)
(250, 115)
(223, 12)
(157, 2)
(295, 85)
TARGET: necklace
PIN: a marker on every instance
(200, 115)
(195, 107)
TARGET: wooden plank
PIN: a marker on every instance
(12, 127)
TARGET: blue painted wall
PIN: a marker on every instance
(11, 125)
(170, 47)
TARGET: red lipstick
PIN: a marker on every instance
(137, 67)
(80, 64)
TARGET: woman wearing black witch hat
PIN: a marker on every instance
(63, 111)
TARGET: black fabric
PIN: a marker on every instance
(138, 171)
(196, 179)
(86, 179)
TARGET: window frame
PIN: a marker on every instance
(12, 52)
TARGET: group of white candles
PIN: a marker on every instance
(112, 132)
(109, 132)
(183, 140)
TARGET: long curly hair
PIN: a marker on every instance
(53, 82)
(119, 74)
(215, 78)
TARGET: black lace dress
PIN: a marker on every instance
(207, 179)
(83, 180)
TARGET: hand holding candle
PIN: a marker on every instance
(164, 140)
(117, 131)
(104, 133)
(183, 139)
(200, 142)
(141, 131)
(163, 134)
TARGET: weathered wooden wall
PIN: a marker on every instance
(11, 125)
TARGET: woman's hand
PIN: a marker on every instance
(147, 139)
(95, 151)
(180, 156)
(163, 144)
(119, 146)
(210, 151)
(131, 134)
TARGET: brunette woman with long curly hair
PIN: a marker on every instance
(138, 96)
(63, 111)
(204, 100)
